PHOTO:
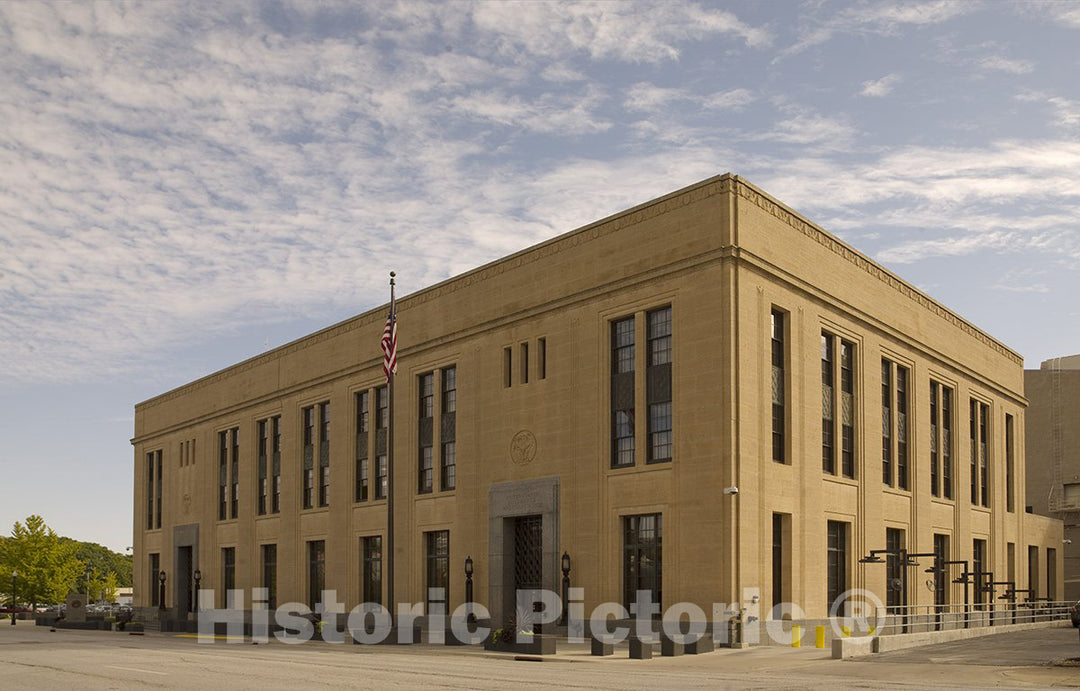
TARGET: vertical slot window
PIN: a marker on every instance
(779, 393)
(622, 393)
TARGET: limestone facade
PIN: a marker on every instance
(557, 416)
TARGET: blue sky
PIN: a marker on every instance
(185, 184)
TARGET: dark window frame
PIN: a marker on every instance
(268, 558)
(643, 557)
(623, 354)
(778, 350)
(362, 407)
(437, 565)
(371, 569)
(316, 574)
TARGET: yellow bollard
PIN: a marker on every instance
(819, 637)
(796, 636)
(846, 631)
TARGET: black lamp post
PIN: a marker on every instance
(907, 559)
(565, 588)
(14, 580)
(198, 577)
(161, 592)
(469, 617)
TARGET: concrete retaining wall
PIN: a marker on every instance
(843, 648)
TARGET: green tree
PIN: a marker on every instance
(47, 566)
(104, 560)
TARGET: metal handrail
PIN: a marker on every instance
(897, 619)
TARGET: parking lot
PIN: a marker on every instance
(35, 658)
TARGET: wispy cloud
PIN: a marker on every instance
(1066, 111)
(1002, 64)
(880, 87)
(875, 18)
(648, 97)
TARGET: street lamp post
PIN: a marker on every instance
(198, 577)
(161, 592)
(907, 559)
(469, 617)
(14, 581)
(565, 588)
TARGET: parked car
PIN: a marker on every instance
(1074, 614)
(17, 609)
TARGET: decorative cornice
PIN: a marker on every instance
(567, 241)
(825, 239)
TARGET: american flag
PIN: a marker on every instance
(389, 346)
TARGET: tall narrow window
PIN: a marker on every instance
(228, 576)
(223, 475)
(524, 363)
(363, 424)
(316, 571)
(941, 583)
(269, 575)
(160, 484)
(779, 394)
(541, 358)
(622, 393)
(978, 565)
(508, 367)
(946, 442)
(382, 423)
(438, 565)
(828, 405)
(658, 384)
(886, 423)
(426, 431)
(324, 454)
(781, 563)
(1010, 468)
(275, 468)
(1051, 574)
(448, 430)
(847, 418)
(150, 491)
(902, 427)
(308, 416)
(152, 577)
(643, 557)
(935, 439)
(154, 479)
(984, 456)
(1033, 571)
(234, 474)
(894, 542)
(1010, 557)
(837, 582)
(371, 586)
(973, 408)
(262, 429)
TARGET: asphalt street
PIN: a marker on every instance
(35, 658)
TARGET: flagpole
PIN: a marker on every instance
(392, 318)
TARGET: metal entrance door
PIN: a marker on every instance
(528, 553)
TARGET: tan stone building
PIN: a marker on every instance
(1053, 470)
(604, 394)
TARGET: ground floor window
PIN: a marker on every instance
(155, 587)
(371, 586)
(642, 557)
(316, 571)
(228, 575)
(269, 574)
(438, 564)
(837, 564)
